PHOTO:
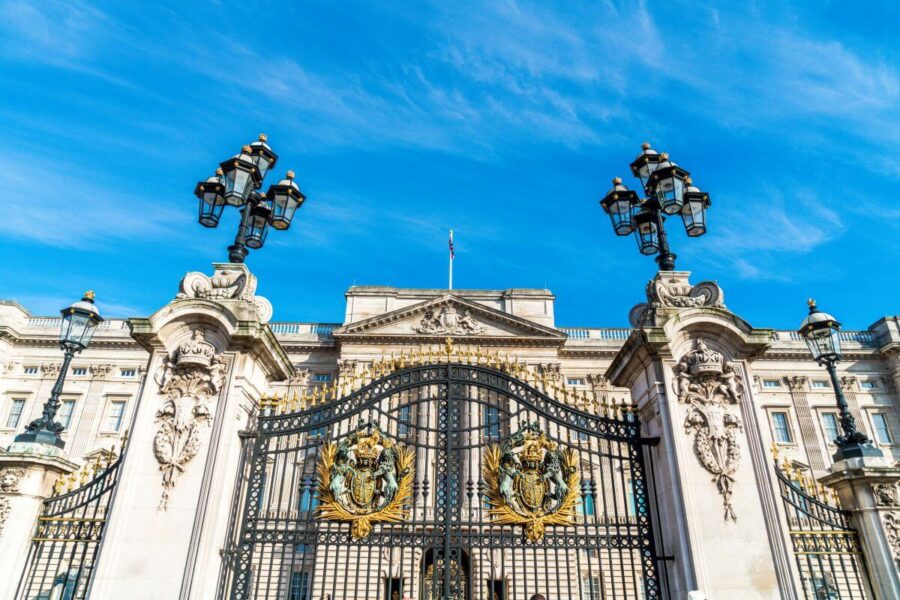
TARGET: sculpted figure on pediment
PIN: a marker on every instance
(448, 321)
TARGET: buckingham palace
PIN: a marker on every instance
(446, 444)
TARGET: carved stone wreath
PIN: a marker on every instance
(711, 386)
(187, 380)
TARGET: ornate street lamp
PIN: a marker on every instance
(669, 191)
(78, 324)
(237, 183)
(821, 333)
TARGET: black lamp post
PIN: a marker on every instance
(669, 192)
(78, 324)
(237, 183)
(820, 331)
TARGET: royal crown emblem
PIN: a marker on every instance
(196, 351)
(703, 360)
(364, 479)
(531, 481)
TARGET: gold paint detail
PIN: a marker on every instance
(518, 475)
(365, 479)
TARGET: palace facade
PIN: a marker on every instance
(449, 444)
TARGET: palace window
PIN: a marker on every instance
(65, 413)
(299, 589)
(868, 385)
(830, 427)
(590, 588)
(31, 370)
(882, 432)
(16, 407)
(771, 383)
(574, 381)
(79, 371)
(114, 416)
(127, 372)
(490, 422)
(404, 416)
(322, 377)
(819, 384)
(780, 428)
(318, 431)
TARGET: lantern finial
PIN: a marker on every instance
(263, 137)
(664, 155)
(290, 174)
(617, 180)
(812, 304)
(246, 149)
(89, 295)
(645, 146)
(220, 172)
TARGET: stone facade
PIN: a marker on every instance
(716, 390)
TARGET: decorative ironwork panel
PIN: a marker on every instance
(829, 559)
(68, 534)
(442, 480)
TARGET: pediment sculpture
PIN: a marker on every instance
(447, 320)
(229, 282)
(711, 386)
(187, 380)
(365, 478)
(532, 481)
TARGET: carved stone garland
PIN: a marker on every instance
(187, 381)
(711, 386)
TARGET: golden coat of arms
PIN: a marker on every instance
(532, 481)
(364, 479)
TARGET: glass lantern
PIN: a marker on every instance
(212, 199)
(646, 232)
(667, 182)
(286, 198)
(619, 204)
(241, 176)
(820, 331)
(79, 322)
(693, 211)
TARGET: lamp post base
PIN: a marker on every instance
(856, 451)
(666, 261)
(40, 436)
(237, 253)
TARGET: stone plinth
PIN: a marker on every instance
(211, 357)
(27, 476)
(870, 489)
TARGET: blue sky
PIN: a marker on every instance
(503, 120)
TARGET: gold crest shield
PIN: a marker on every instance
(531, 481)
(365, 479)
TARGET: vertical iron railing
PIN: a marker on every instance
(828, 556)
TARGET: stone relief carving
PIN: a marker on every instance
(847, 382)
(711, 386)
(892, 530)
(235, 283)
(5, 509)
(187, 381)
(50, 370)
(795, 383)
(673, 290)
(346, 369)
(551, 371)
(448, 321)
(9, 480)
(300, 378)
(101, 371)
(886, 494)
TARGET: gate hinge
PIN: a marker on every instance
(650, 441)
(246, 434)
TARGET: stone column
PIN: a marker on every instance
(211, 358)
(807, 422)
(870, 490)
(27, 476)
(685, 366)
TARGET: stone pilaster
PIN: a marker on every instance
(26, 480)
(211, 358)
(849, 386)
(685, 366)
(807, 422)
(870, 490)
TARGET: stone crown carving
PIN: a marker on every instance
(711, 386)
(187, 381)
(672, 290)
(448, 321)
(228, 282)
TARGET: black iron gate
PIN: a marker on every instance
(826, 547)
(68, 533)
(443, 477)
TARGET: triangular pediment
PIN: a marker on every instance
(448, 316)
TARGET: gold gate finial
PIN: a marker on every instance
(448, 347)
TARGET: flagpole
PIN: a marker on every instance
(450, 283)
